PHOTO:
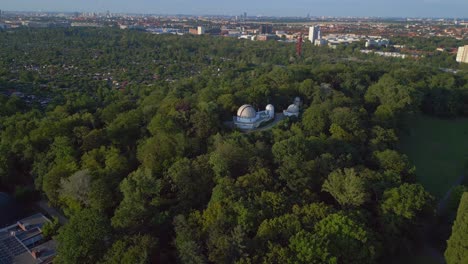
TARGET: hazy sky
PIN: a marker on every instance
(400, 8)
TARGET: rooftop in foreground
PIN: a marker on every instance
(24, 243)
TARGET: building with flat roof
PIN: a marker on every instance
(24, 242)
(462, 54)
(377, 42)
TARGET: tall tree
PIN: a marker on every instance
(141, 198)
(137, 249)
(84, 238)
(457, 245)
(346, 187)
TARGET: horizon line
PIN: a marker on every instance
(232, 15)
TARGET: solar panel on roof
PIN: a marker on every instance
(9, 248)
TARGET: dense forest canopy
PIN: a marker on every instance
(124, 132)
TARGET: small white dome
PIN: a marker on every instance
(293, 109)
(270, 107)
(246, 111)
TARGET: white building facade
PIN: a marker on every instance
(314, 33)
(462, 54)
(201, 30)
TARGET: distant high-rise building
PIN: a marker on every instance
(201, 30)
(266, 29)
(314, 33)
(462, 55)
(245, 15)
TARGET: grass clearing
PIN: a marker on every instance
(439, 150)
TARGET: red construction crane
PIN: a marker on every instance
(299, 46)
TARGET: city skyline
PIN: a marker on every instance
(338, 8)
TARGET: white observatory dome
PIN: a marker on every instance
(293, 109)
(246, 111)
(270, 107)
(270, 110)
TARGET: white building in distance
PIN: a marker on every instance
(320, 42)
(377, 42)
(248, 119)
(201, 30)
(314, 33)
(462, 54)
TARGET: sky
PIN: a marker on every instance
(381, 8)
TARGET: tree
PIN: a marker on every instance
(346, 187)
(396, 164)
(350, 121)
(306, 247)
(52, 179)
(141, 198)
(77, 187)
(311, 214)
(350, 241)
(295, 156)
(390, 99)
(457, 245)
(279, 229)
(94, 139)
(187, 237)
(315, 119)
(407, 201)
(205, 123)
(192, 181)
(50, 228)
(229, 158)
(158, 152)
(335, 239)
(125, 128)
(135, 249)
(106, 163)
(403, 210)
(58, 163)
(383, 138)
(84, 238)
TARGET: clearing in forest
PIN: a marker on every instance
(439, 150)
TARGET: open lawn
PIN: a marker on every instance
(439, 150)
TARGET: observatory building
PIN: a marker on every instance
(293, 110)
(247, 118)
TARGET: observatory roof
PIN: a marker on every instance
(293, 109)
(246, 111)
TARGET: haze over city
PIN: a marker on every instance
(396, 8)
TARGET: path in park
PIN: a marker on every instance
(441, 207)
(443, 202)
(44, 205)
